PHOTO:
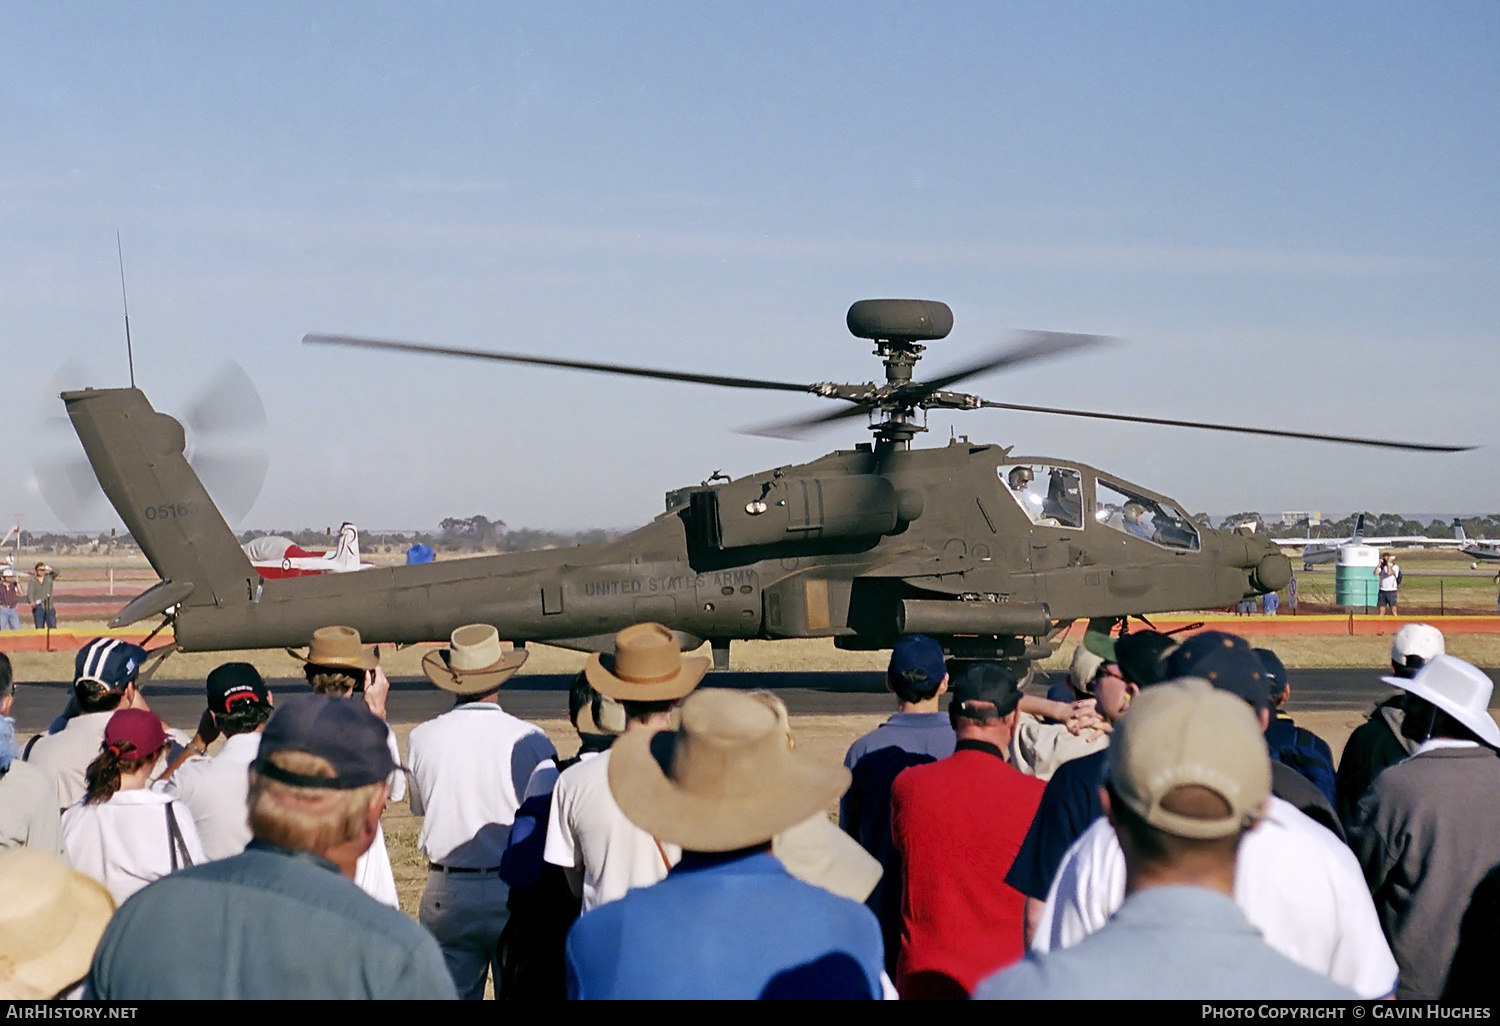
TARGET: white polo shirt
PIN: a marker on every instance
(588, 833)
(469, 769)
(216, 790)
(123, 843)
(1295, 882)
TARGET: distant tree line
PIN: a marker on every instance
(1376, 525)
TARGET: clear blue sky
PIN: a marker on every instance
(1290, 212)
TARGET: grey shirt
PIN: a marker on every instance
(1174, 943)
(1426, 832)
(28, 809)
(268, 923)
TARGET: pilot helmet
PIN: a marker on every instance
(1020, 477)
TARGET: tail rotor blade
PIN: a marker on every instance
(227, 441)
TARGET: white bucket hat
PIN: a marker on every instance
(1459, 689)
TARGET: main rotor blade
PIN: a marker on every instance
(543, 361)
(1035, 345)
(791, 429)
(1308, 436)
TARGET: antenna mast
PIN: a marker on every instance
(124, 302)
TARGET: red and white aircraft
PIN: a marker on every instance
(275, 557)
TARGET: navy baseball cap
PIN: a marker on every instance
(340, 730)
(108, 661)
(918, 660)
(986, 683)
(1275, 671)
(1224, 660)
(236, 684)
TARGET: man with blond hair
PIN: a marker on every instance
(283, 919)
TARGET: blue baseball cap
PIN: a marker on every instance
(1227, 662)
(1275, 671)
(918, 660)
(110, 662)
(343, 731)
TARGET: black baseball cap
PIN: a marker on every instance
(342, 731)
(1139, 656)
(236, 684)
(986, 683)
(1224, 660)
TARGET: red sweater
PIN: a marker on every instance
(958, 824)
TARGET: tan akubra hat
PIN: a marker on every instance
(726, 780)
(478, 661)
(647, 666)
(50, 924)
(336, 647)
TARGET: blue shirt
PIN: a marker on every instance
(1070, 803)
(736, 928)
(1172, 943)
(269, 923)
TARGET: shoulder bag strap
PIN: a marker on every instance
(176, 845)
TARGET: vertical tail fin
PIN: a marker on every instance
(346, 555)
(1359, 528)
(1458, 530)
(137, 454)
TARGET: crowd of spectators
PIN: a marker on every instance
(1157, 827)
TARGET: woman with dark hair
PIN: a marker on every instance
(121, 833)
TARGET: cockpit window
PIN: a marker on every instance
(1157, 522)
(1051, 496)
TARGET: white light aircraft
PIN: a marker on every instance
(275, 557)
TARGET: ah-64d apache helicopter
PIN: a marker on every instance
(990, 552)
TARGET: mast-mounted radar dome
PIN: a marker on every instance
(902, 321)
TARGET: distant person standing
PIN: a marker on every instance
(1270, 603)
(1389, 575)
(39, 594)
(10, 595)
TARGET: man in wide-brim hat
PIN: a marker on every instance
(337, 664)
(469, 769)
(603, 853)
(729, 921)
(1428, 829)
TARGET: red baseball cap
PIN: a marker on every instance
(135, 733)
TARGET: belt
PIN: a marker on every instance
(435, 868)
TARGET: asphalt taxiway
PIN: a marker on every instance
(533, 697)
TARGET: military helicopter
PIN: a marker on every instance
(991, 552)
